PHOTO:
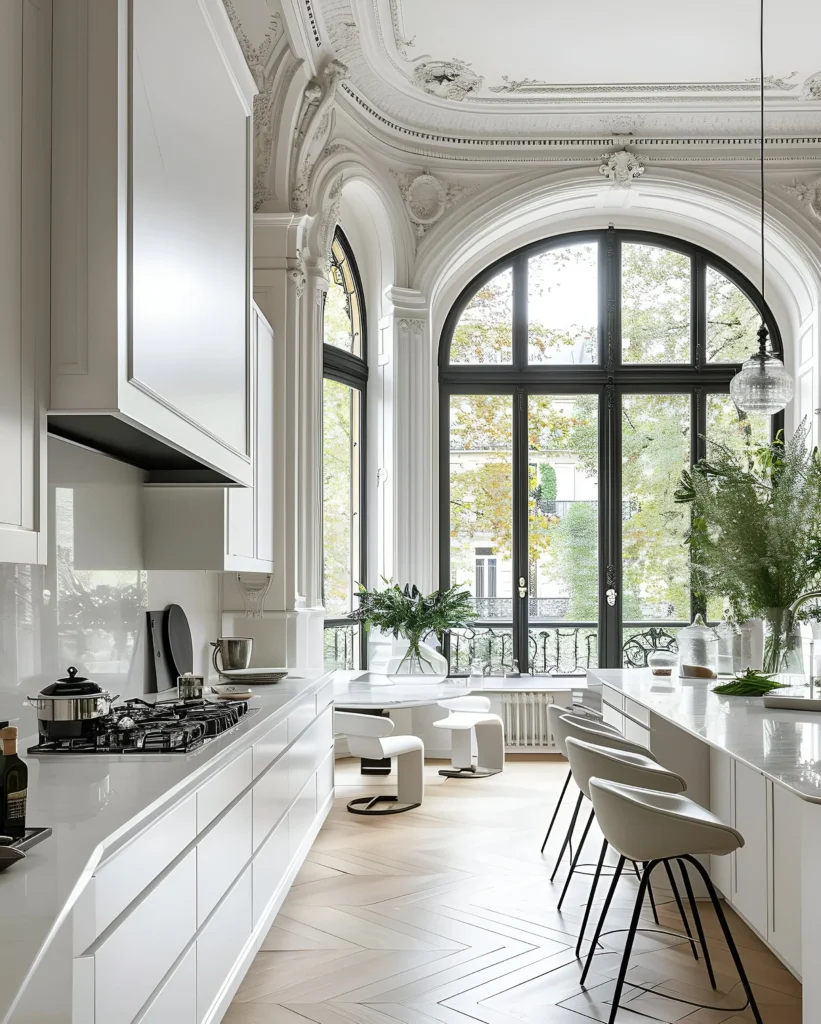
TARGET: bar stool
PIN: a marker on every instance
(555, 713)
(370, 736)
(469, 717)
(655, 828)
(588, 761)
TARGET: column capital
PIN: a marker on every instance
(407, 302)
(277, 236)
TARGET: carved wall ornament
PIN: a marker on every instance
(783, 84)
(330, 218)
(621, 168)
(450, 79)
(263, 67)
(519, 85)
(297, 275)
(809, 193)
(427, 198)
(316, 121)
(411, 328)
(401, 41)
(621, 124)
(812, 87)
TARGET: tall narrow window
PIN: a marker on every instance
(343, 432)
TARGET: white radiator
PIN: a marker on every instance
(524, 714)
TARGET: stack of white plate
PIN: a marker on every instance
(254, 676)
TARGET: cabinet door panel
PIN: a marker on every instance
(264, 453)
(221, 855)
(750, 896)
(270, 865)
(220, 791)
(271, 798)
(177, 1001)
(721, 803)
(785, 905)
(221, 943)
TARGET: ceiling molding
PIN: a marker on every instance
(809, 193)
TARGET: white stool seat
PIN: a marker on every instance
(470, 717)
(592, 732)
(590, 760)
(555, 714)
(370, 736)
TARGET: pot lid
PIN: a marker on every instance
(71, 685)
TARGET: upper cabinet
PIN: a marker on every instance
(25, 102)
(150, 349)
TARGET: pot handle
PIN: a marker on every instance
(216, 645)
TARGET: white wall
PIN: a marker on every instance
(87, 605)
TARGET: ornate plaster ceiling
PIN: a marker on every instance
(494, 72)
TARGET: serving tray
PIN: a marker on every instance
(785, 703)
(32, 837)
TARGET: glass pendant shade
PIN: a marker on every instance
(763, 385)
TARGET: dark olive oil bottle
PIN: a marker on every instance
(14, 780)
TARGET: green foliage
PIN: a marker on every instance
(750, 684)
(547, 482)
(576, 560)
(409, 613)
(655, 304)
(756, 523)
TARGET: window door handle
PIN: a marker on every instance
(522, 587)
(610, 595)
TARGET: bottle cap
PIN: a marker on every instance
(9, 733)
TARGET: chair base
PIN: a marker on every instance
(367, 805)
(473, 772)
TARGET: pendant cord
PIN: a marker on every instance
(761, 57)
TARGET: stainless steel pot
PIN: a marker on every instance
(234, 653)
(72, 699)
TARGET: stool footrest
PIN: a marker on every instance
(368, 805)
(474, 772)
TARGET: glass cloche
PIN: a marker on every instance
(697, 651)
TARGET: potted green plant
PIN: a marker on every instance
(408, 613)
(755, 535)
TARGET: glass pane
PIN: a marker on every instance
(732, 321)
(655, 317)
(338, 329)
(639, 643)
(655, 449)
(484, 333)
(340, 491)
(728, 426)
(481, 521)
(563, 305)
(563, 508)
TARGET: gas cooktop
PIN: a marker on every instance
(139, 727)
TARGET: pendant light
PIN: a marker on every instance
(763, 385)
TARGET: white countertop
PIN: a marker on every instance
(783, 745)
(93, 802)
(358, 689)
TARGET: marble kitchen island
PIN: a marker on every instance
(164, 871)
(759, 770)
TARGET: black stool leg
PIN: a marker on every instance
(631, 935)
(590, 898)
(728, 936)
(650, 894)
(569, 835)
(575, 860)
(680, 906)
(697, 918)
(600, 925)
(555, 813)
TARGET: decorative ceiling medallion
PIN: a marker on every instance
(449, 79)
(427, 198)
(808, 193)
(812, 87)
(621, 124)
(622, 168)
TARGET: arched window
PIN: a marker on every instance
(578, 377)
(345, 372)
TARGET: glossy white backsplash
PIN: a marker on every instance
(87, 606)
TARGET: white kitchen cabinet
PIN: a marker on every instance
(221, 942)
(220, 853)
(751, 864)
(151, 299)
(785, 824)
(25, 168)
(722, 803)
(223, 528)
(177, 1000)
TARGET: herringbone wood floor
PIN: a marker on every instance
(446, 915)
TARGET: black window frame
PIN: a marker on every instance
(609, 377)
(352, 370)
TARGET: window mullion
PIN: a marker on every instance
(520, 313)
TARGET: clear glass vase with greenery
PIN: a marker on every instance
(408, 613)
(755, 534)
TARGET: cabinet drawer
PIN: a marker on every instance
(613, 717)
(325, 779)
(226, 786)
(615, 698)
(222, 941)
(325, 697)
(130, 962)
(177, 999)
(636, 733)
(270, 747)
(123, 877)
(750, 897)
(301, 717)
(637, 711)
(271, 798)
(786, 825)
(301, 815)
(221, 855)
(270, 865)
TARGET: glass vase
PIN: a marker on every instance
(420, 663)
(782, 646)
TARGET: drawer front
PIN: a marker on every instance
(270, 747)
(325, 780)
(221, 943)
(301, 717)
(637, 711)
(121, 879)
(221, 854)
(177, 1000)
(325, 697)
(613, 717)
(270, 864)
(132, 960)
(636, 733)
(223, 789)
(301, 815)
(613, 697)
(271, 798)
